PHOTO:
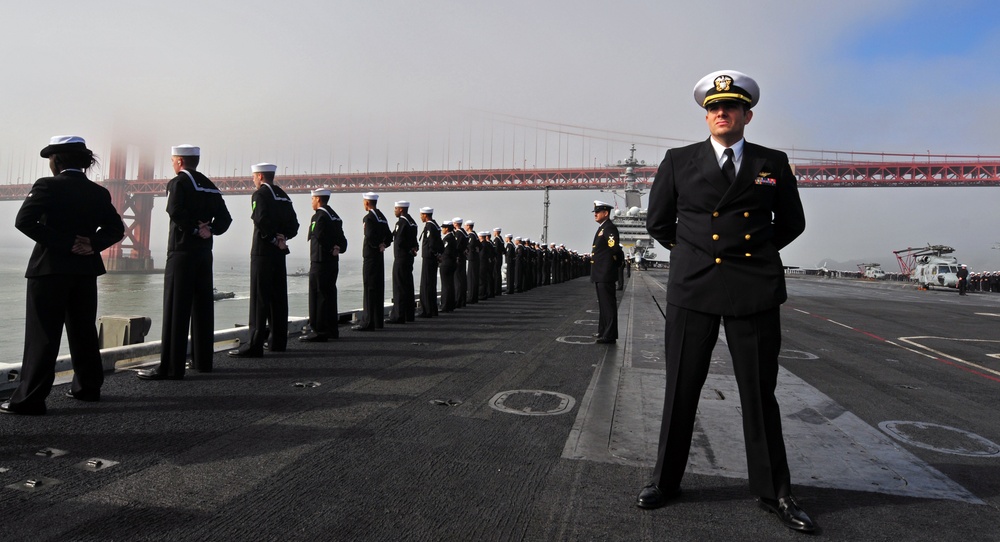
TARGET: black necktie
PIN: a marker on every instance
(728, 167)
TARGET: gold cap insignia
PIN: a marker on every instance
(722, 83)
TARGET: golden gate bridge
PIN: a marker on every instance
(133, 197)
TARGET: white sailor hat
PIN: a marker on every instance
(319, 192)
(64, 143)
(728, 86)
(263, 167)
(484, 234)
(457, 220)
(370, 196)
(510, 235)
(517, 238)
(404, 204)
(470, 222)
(602, 206)
(185, 150)
(447, 224)
(426, 210)
(497, 230)
(552, 244)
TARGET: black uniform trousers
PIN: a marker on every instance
(52, 301)
(607, 326)
(472, 288)
(447, 289)
(323, 315)
(268, 302)
(428, 287)
(187, 303)
(496, 287)
(403, 300)
(754, 342)
(373, 276)
(461, 283)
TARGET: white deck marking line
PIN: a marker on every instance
(910, 340)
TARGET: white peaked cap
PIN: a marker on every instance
(263, 167)
(185, 150)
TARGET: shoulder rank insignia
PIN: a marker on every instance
(611, 241)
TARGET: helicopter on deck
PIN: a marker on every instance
(929, 266)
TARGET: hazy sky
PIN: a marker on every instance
(320, 86)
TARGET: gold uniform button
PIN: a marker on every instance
(747, 237)
(715, 237)
(715, 214)
(746, 215)
(747, 254)
(718, 260)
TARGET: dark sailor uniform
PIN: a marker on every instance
(607, 259)
(461, 265)
(404, 249)
(472, 256)
(449, 263)
(62, 286)
(376, 233)
(430, 250)
(272, 215)
(187, 278)
(326, 231)
(496, 288)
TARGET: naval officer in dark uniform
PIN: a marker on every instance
(724, 208)
(430, 252)
(274, 223)
(607, 259)
(71, 220)
(377, 236)
(404, 250)
(326, 243)
(197, 214)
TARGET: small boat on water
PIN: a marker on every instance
(217, 295)
(300, 272)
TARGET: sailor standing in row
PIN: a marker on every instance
(461, 276)
(607, 259)
(486, 263)
(377, 236)
(197, 214)
(404, 250)
(496, 288)
(430, 251)
(274, 223)
(71, 219)
(326, 243)
(472, 255)
(449, 263)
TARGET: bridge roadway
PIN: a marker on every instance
(502, 421)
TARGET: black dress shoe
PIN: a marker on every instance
(789, 513)
(155, 374)
(388, 321)
(246, 353)
(89, 397)
(652, 496)
(313, 338)
(605, 341)
(362, 328)
(6, 408)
